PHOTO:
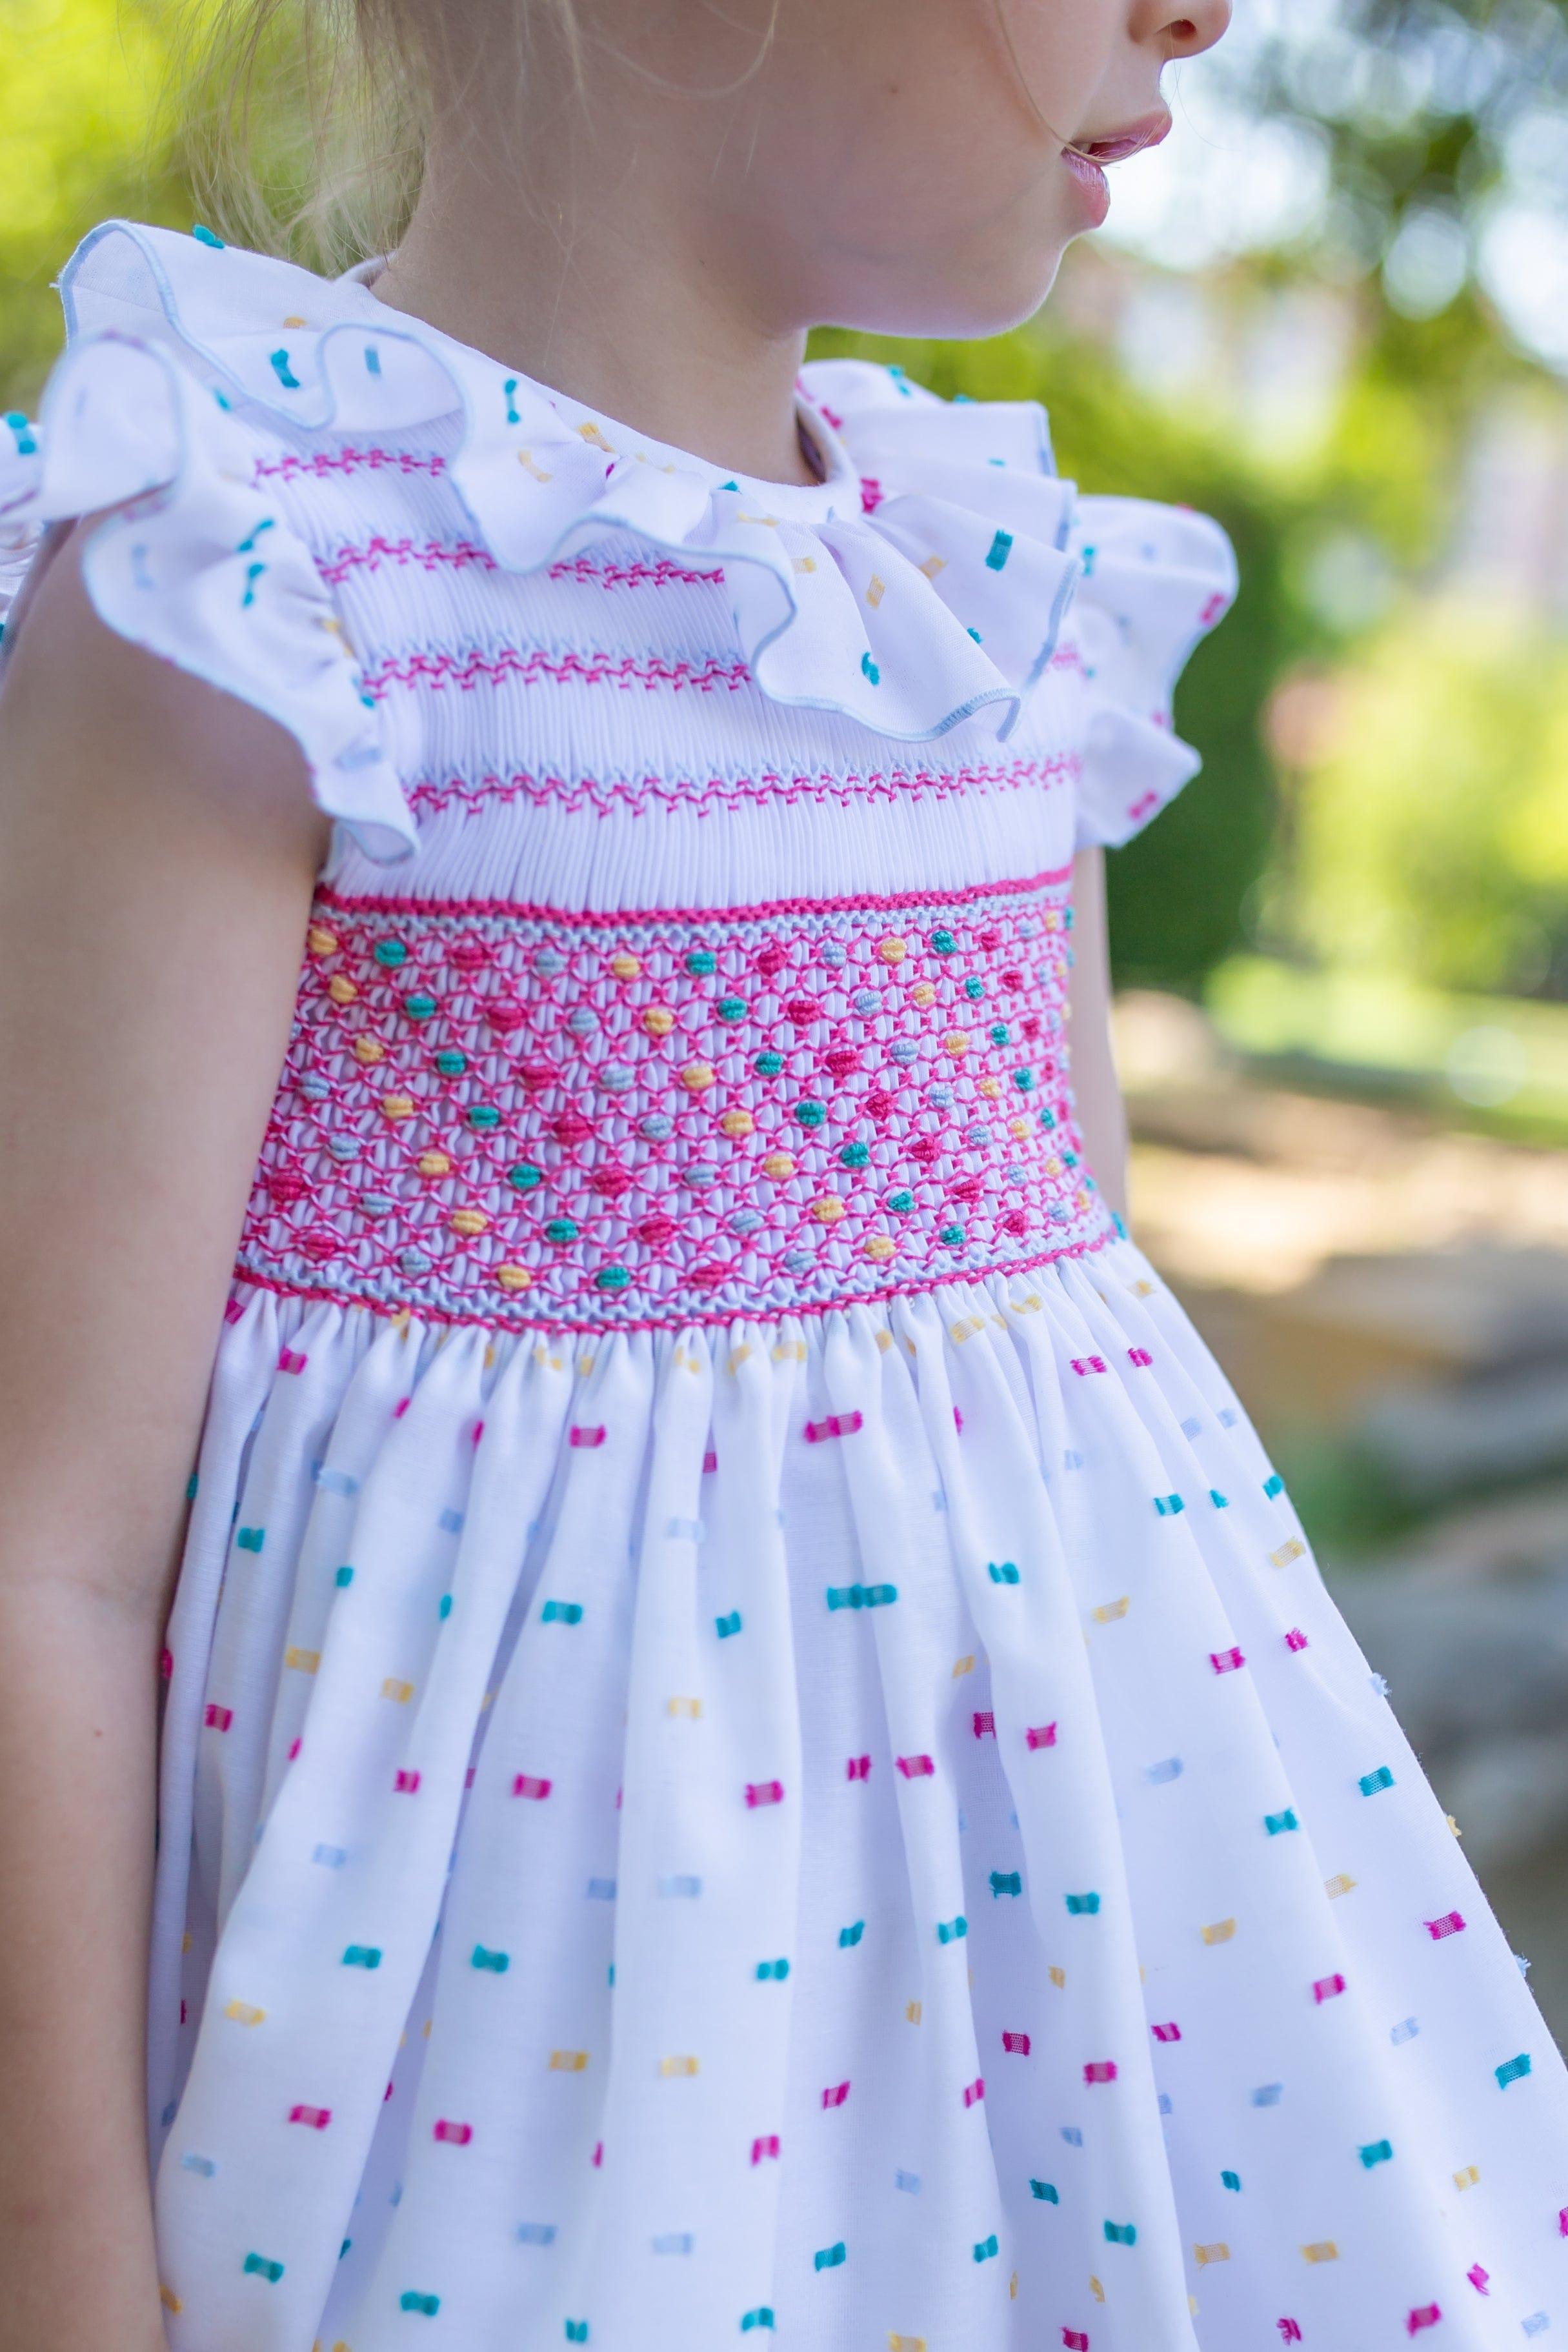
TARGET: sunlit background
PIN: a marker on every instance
(1333, 311)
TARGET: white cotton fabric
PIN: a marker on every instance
(850, 1830)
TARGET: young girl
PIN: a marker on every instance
(748, 1743)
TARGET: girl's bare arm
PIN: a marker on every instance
(1100, 1111)
(158, 847)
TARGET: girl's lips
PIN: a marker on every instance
(1087, 159)
(1094, 188)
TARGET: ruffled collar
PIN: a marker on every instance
(922, 584)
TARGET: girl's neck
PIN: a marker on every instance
(612, 290)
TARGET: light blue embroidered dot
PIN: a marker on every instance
(674, 2241)
(536, 2233)
(333, 1857)
(1537, 2324)
(1268, 2094)
(451, 1522)
(601, 1890)
(1405, 2030)
(1371, 1783)
(1072, 2135)
(680, 1885)
(192, 2162)
(909, 2182)
(1045, 2191)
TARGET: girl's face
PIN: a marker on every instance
(900, 166)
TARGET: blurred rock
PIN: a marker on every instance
(1437, 1439)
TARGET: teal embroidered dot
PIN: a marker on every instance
(975, 632)
(1377, 2151)
(284, 373)
(728, 1625)
(998, 1033)
(701, 963)
(1083, 1906)
(1024, 1081)
(1275, 1822)
(497, 1962)
(1168, 1505)
(811, 1114)
(943, 943)
(561, 1613)
(952, 1237)
(426, 2305)
(451, 1063)
(343, 1576)
(612, 1277)
(445, 1609)
(204, 236)
(1230, 2181)
(419, 1007)
(871, 669)
(1274, 1486)
(1512, 2070)
(483, 1117)
(1048, 1116)
(1003, 1572)
(772, 1971)
(985, 2249)
(1121, 2233)
(902, 1202)
(731, 1008)
(561, 1229)
(1221, 1502)
(390, 952)
(1371, 1783)
(1045, 2191)
(1000, 550)
(22, 432)
(828, 2258)
(951, 1931)
(856, 1155)
(849, 1937)
(363, 1955)
(1006, 1882)
(249, 1538)
(768, 1064)
(525, 1176)
(191, 1487)
(262, 2266)
(761, 2317)
(974, 988)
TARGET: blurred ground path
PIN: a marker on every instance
(1391, 1300)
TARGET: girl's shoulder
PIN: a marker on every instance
(222, 411)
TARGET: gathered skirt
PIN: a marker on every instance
(862, 1831)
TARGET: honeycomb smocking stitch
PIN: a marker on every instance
(515, 1117)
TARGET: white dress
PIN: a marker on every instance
(751, 1745)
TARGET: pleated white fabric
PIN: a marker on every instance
(868, 1830)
